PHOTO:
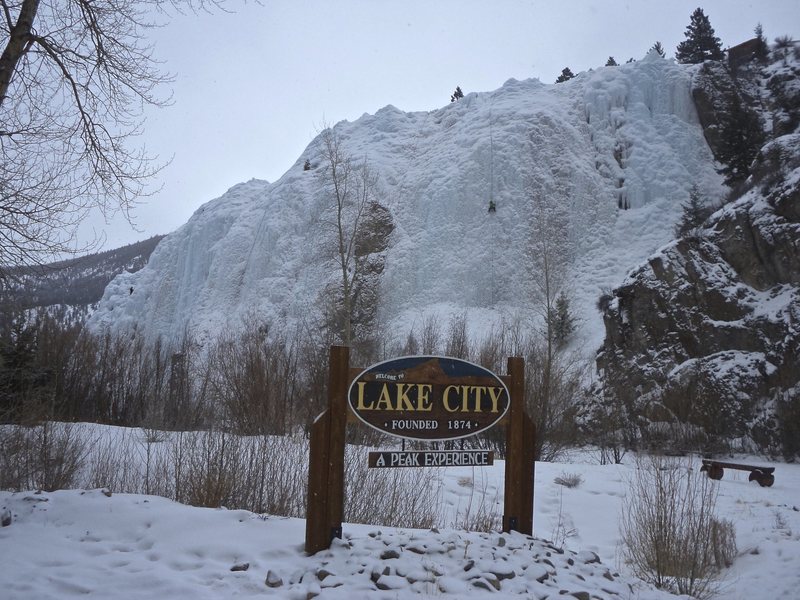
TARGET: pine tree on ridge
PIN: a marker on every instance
(659, 49)
(700, 44)
(566, 75)
(761, 53)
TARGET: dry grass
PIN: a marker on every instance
(483, 509)
(569, 480)
(263, 474)
(397, 497)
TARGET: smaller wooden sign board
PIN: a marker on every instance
(431, 458)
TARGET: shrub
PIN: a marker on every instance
(42, 457)
(263, 474)
(604, 300)
(260, 473)
(670, 535)
(398, 497)
(570, 480)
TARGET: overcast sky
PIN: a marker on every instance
(253, 86)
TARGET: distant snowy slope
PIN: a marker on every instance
(618, 148)
(75, 284)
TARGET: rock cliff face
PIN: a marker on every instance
(706, 333)
(714, 91)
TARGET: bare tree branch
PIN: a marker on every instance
(351, 189)
(75, 78)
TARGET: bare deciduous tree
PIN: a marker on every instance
(430, 337)
(549, 253)
(351, 188)
(75, 77)
(253, 379)
(458, 344)
(553, 374)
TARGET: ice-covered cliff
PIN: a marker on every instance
(616, 150)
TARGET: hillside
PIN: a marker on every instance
(595, 173)
(612, 152)
(77, 283)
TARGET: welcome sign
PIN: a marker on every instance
(425, 398)
(431, 398)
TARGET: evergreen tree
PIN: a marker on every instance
(700, 44)
(695, 212)
(761, 52)
(566, 75)
(562, 321)
(611, 62)
(457, 95)
(742, 137)
(25, 383)
(659, 49)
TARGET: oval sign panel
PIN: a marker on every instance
(428, 398)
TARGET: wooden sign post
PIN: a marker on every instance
(433, 398)
(325, 504)
(520, 465)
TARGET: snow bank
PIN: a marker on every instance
(73, 543)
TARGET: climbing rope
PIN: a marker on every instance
(491, 160)
(492, 205)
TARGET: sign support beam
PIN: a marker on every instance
(325, 502)
(520, 432)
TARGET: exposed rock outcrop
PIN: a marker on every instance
(707, 332)
(714, 91)
(703, 340)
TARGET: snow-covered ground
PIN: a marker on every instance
(92, 543)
